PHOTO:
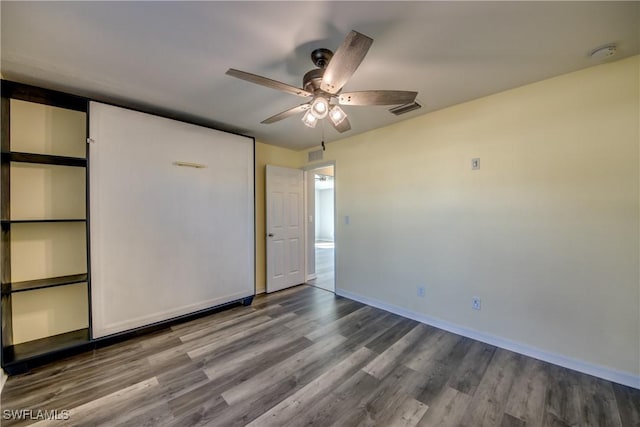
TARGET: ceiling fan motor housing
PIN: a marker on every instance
(312, 79)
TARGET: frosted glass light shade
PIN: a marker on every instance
(320, 108)
(309, 119)
(337, 115)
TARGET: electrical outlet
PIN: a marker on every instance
(420, 291)
(476, 303)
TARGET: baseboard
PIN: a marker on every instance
(609, 374)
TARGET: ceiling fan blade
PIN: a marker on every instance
(343, 126)
(273, 84)
(377, 97)
(345, 61)
(288, 113)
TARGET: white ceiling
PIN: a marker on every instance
(173, 55)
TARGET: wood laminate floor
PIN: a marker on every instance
(304, 356)
(325, 269)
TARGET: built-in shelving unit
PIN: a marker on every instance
(46, 285)
(43, 216)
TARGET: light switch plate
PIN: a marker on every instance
(475, 163)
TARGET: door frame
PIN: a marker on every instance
(308, 178)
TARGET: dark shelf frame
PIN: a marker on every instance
(44, 159)
(49, 282)
(30, 221)
(21, 353)
(17, 358)
(38, 95)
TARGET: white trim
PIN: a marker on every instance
(307, 170)
(320, 165)
(603, 372)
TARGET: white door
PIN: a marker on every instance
(285, 231)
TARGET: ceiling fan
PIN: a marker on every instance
(324, 85)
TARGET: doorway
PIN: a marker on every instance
(322, 229)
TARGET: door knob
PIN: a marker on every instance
(270, 234)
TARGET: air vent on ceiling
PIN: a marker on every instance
(315, 155)
(403, 109)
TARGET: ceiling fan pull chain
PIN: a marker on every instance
(322, 126)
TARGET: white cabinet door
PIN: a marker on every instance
(285, 229)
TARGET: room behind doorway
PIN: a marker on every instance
(324, 242)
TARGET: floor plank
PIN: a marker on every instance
(447, 409)
(488, 403)
(628, 400)
(527, 396)
(383, 364)
(298, 402)
(472, 368)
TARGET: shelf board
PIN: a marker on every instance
(29, 221)
(50, 282)
(20, 352)
(46, 159)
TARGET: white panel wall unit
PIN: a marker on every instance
(172, 229)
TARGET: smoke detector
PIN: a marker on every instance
(603, 52)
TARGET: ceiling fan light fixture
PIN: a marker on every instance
(322, 86)
(309, 119)
(337, 115)
(320, 107)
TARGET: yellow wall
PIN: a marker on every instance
(49, 311)
(47, 191)
(44, 250)
(546, 233)
(268, 155)
(39, 128)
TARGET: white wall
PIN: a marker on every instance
(324, 214)
(546, 232)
